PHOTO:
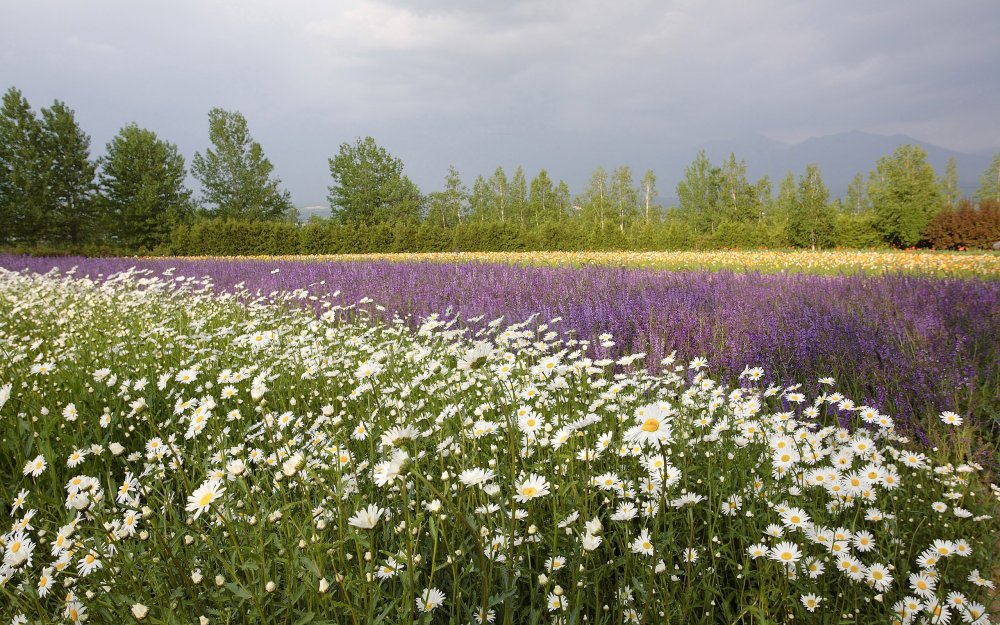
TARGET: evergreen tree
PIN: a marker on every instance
(989, 182)
(905, 195)
(142, 188)
(698, 194)
(235, 176)
(23, 170)
(811, 221)
(447, 208)
(70, 211)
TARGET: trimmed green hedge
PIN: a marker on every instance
(241, 238)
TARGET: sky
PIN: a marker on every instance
(567, 85)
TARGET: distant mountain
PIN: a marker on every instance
(839, 156)
(319, 210)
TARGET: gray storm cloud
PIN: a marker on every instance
(563, 85)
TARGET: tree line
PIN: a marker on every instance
(134, 198)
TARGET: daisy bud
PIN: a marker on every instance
(219, 580)
(291, 466)
(117, 450)
(196, 577)
(139, 611)
(324, 585)
(270, 586)
(542, 579)
(202, 620)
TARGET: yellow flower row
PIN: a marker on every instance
(984, 264)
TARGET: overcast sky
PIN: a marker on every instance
(566, 84)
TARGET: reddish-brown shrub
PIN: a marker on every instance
(968, 226)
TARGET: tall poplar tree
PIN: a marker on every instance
(236, 178)
(648, 188)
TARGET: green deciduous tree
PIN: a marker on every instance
(235, 176)
(698, 194)
(905, 195)
(650, 209)
(857, 201)
(989, 182)
(369, 186)
(519, 197)
(949, 184)
(594, 204)
(498, 207)
(737, 197)
(448, 208)
(142, 188)
(624, 197)
(811, 220)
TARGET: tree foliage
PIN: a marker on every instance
(236, 178)
(905, 195)
(698, 194)
(811, 219)
(449, 207)
(989, 182)
(369, 186)
(24, 173)
(142, 188)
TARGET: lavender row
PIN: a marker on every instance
(907, 345)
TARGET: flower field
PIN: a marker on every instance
(216, 441)
(910, 345)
